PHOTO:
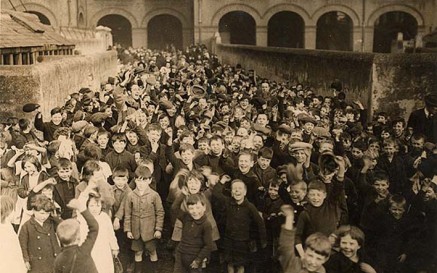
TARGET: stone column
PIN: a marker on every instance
(139, 37)
(310, 37)
(261, 35)
(368, 39)
(357, 40)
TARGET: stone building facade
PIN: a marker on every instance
(352, 25)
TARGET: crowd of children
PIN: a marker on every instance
(244, 172)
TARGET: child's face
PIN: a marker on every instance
(300, 156)
(57, 118)
(187, 156)
(119, 146)
(154, 136)
(120, 181)
(397, 211)
(258, 142)
(102, 140)
(262, 120)
(273, 192)
(203, 146)
(30, 168)
(347, 143)
(216, 147)
(41, 215)
(349, 247)
(197, 210)
(132, 137)
(297, 193)
(357, 153)
(381, 187)
(164, 122)
(385, 135)
(264, 163)
(429, 194)
(245, 163)
(316, 197)
(390, 150)
(193, 185)
(308, 127)
(381, 119)
(95, 206)
(398, 128)
(238, 191)
(312, 260)
(65, 174)
(142, 183)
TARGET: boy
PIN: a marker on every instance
(263, 169)
(241, 217)
(37, 240)
(244, 173)
(196, 242)
(144, 218)
(393, 164)
(323, 211)
(375, 205)
(65, 187)
(121, 189)
(120, 157)
(396, 240)
(316, 253)
(294, 195)
(74, 258)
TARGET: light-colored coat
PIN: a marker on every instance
(144, 214)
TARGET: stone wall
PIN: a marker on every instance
(394, 83)
(49, 82)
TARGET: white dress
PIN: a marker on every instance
(11, 260)
(105, 242)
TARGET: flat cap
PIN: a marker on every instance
(299, 145)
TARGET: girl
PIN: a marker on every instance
(12, 259)
(349, 258)
(34, 175)
(106, 245)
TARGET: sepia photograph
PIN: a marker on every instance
(218, 136)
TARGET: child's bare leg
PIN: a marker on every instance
(138, 256)
(153, 256)
(240, 269)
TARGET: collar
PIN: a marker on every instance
(427, 113)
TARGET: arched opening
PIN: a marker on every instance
(121, 29)
(237, 27)
(163, 31)
(387, 27)
(80, 20)
(42, 18)
(334, 31)
(286, 29)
